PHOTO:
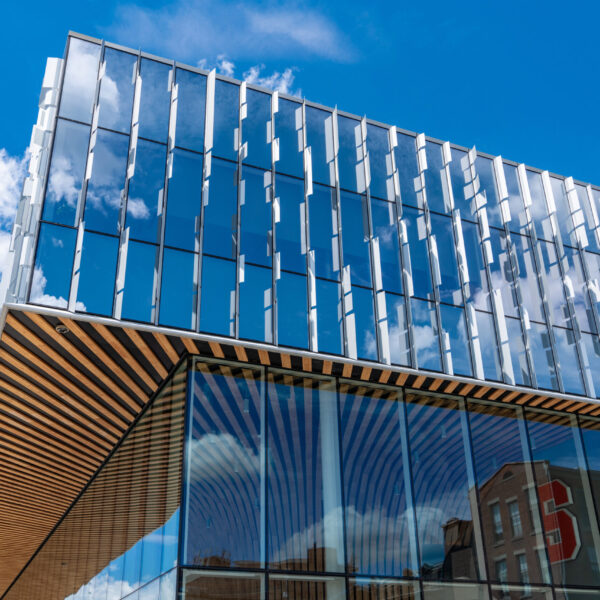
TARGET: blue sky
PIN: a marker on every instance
(513, 78)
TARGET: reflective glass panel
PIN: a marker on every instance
(539, 212)
(184, 200)
(487, 179)
(570, 371)
(97, 274)
(477, 286)
(256, 304)
(397, 329)
(591, 350)
(408, 170)
(292, 312)
(563, 214)
(385, 231)
(66, 173)
(351, 164)
(51, 281)
(290, 228)
(552, 279)
(589, 207)
(355, 237)
(217, 305)
(501, 272)
(488, 347)
(225, 468)
(364, 323)
(528, 281)
(178, 294)
(220, 210)
(191, 104)
(541, 352)
(140, 276)
(506, 485)
(256, 217)
(454, 591)
(453, 325)
(116, 90)
(329, 317)
(414, 221)
(319, 137)
(155, 100)
(565, 499)
(517, 351)
(381, 184)
(378, 528)
(323, 227)
(442, 232)
(146, 187)
(304, 482)
(198, 585)
(226, 119)
(79, 85)
(366, 588)
(436, 199)
(514, 592)
(425, 335)
(282, 587)
(574, 270)
(256, 127)
(458, 165)
(288, 128)
(107, 182)
(518, 222)
(449, 542)
(590, 432)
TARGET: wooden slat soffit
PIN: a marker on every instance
(70, 388)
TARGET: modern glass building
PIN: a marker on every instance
(257, 349)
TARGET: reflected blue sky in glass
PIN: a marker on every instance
(66, 173)
(256, 217)
(54, 263)
(138, 295)
(116, 90)
(145, 191)
(528, 280)
(107, 182)
(79, 86)
(351, 166)
(226, 122)
(458, 165)
(564, 343)
(501, 272)
(380, 163)
(414, 221)
(355, 238)
(217, 305)
(591, 349)
(477, 287)
(433, 178)
(256, 304)
(453, 324)
(329, 317)
(288, 128)
(178, 295)
(488, 346)
(322, 213)
(518, 221)
(191, 103)
(425, 335)
(552, 282)
(319, 136)
(587, 206)
(442, 230)
(385, 229)
(397, 329)
(538, 209)
(408, 170)
(184, 200)
(485, 170)
(364, 319)
(292, 312)
(563, 215)
(289, 230)
(255, 128)
(543, 361)
(155, 100)
(97, 274)
(574, 270)
(220, 210)
(517, 352)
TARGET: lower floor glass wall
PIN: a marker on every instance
(248, 482)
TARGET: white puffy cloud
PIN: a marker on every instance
(137, 208)
(276, 81)
(12, 171)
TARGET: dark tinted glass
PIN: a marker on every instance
(292, 312)
(364, 322)
(217, 307)
(329, 317)
(138, 299)
(178, 289)
(256, 304)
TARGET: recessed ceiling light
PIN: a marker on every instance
(62, 329)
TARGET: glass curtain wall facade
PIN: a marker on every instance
(251, 482)
(184, 199)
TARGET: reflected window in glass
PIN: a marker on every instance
(97, 274)
(574, 270)
(198, 585)
(155, 100)
(146, 187)
(191, 104)
(116, 90)
(51, 282)
(66, 173)
(79, 85)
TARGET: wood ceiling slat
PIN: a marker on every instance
(166, 345)
(141, 345)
